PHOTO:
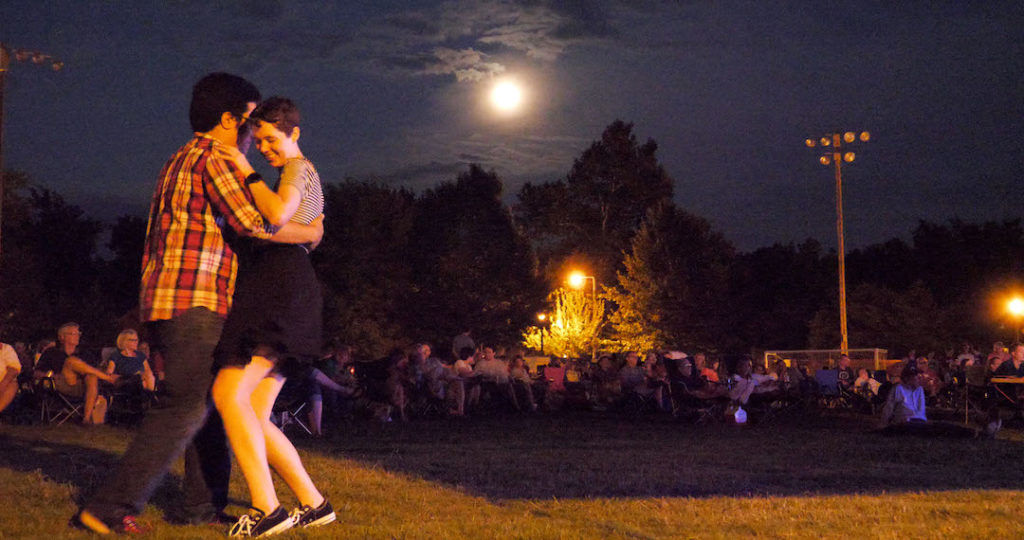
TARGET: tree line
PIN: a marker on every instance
(398, 266)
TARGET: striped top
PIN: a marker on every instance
(300, 174)
(185, 262)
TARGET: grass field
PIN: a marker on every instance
(580, 475)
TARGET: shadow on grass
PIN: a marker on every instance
(61, 455)
(588, 456)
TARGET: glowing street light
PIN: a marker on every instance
(20, 55)
(837, 156)
(577, 280)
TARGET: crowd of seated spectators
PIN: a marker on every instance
(487, 379)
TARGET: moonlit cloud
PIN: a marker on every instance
(469, 39)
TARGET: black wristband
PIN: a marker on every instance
(253, 178)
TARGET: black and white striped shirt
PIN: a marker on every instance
(300, 174)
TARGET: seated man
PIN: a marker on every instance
(493, 375)
(747, 383)
(1013, 367)
(432, 379)
(632, 377)
(845, 373)
(73, 376)
(10, 367)
(928, 378)
(605, 383)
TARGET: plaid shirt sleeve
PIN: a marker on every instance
(228, 195)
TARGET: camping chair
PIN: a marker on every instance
(699, 410)
(289, 405)
(55, 407)
(976, 391)
(830, 395)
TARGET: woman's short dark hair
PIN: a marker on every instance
(280, 111)
(216, 94)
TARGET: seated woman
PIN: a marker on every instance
(130, 363)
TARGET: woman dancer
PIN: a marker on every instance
(273, 329)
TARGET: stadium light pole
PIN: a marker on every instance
(577, 280)
(837, 156)
(20, 55)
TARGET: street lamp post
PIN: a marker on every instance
(837, 156)
(20, 55)
(577, 280)
(542, 318)
(1016, 308)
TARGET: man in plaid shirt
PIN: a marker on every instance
(188, 276)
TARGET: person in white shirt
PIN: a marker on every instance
(10, 367)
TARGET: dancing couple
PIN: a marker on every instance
(209, 198)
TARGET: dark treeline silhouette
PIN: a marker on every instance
(398, 267)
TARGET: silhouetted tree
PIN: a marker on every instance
(123, 273)
(885, 318)
(470, 267)
(363, 264)
(597, 208)
(49, 265)
(776, 291)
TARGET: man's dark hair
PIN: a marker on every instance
(216, 94)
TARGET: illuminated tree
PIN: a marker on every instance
(673, 289)
(576, 322)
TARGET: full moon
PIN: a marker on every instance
(506, 96)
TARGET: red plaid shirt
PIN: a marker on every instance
(186, 262)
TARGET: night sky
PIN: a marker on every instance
(398, 92)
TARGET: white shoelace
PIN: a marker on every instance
(244, 526)
(296, 513)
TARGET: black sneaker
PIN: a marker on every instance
(305, 516)
(256, 523)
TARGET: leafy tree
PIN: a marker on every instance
(363, 264)
(49, 266)
(123, 273)
(776, 291)
(673, 289)
(885, 318)
(471, 268)
(576, 324)
(596, 209)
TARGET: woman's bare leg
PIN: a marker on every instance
(281, 454)
(232, 392)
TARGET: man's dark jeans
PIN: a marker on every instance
(187, 343)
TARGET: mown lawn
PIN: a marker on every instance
(580, 475)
